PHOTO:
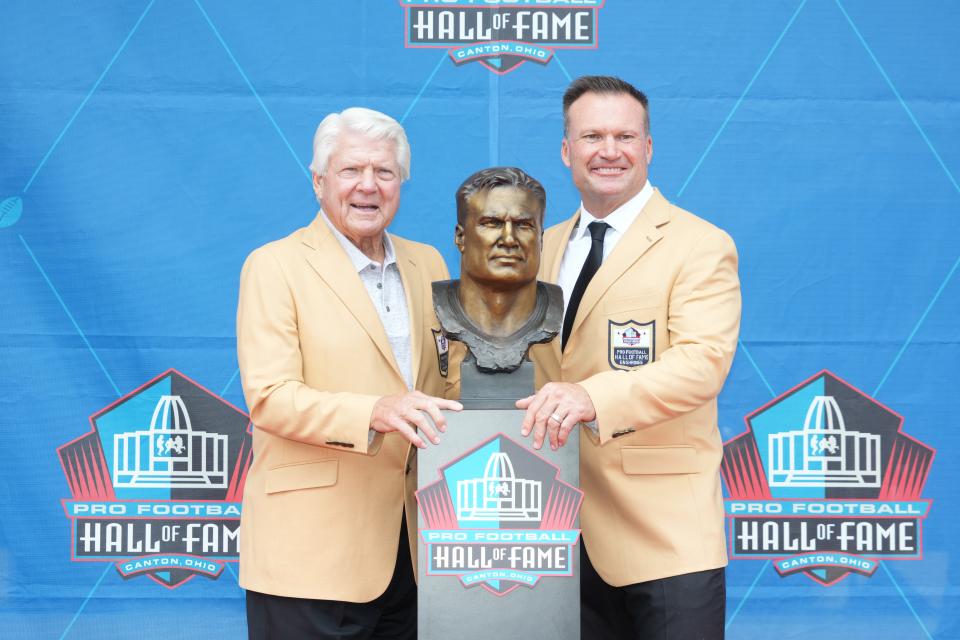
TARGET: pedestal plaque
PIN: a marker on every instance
(499, 524)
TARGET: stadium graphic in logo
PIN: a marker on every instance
(500, 35)
(156, 485)
(510, 523)
(825, 483)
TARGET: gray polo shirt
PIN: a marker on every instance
(385, 289)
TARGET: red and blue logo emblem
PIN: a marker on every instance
(499, 517)
(156, 485)
(825, 482)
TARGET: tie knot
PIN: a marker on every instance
(597, 230)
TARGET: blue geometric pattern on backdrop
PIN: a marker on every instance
(146, 147)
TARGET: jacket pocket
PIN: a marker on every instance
(302, 475)
(663, 460)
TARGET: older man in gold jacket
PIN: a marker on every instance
(341, 370)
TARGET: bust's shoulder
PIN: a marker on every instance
(552, 295)
(443, 289)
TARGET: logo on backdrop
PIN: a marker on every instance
(156, 484)
(500, 34)
(825, 483)
(499, 517)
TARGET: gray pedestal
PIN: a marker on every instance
(499, 527)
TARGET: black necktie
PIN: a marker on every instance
(590, 265)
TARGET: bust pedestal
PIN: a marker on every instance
(498, 521)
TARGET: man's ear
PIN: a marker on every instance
(318, 185)
(565, 151)
(458, 237)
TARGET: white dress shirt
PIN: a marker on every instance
(578, 247)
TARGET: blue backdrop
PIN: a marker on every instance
(146, 147)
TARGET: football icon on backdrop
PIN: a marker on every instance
(824, 482)
(156, 484)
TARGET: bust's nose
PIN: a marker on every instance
(507, 236)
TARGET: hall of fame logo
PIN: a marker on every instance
(156, 485)
(630, 344)
(499, 517)
(825, 483)
(500, 34)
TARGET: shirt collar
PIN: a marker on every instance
(620, 218)
(357, 257)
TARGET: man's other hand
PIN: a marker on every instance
(407, 415)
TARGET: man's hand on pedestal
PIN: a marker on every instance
(405, 415)
(554, 411)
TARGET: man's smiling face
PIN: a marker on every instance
(607, 149)
(360, 189)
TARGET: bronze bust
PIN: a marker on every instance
(497, 307)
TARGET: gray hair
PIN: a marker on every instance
(368, 122)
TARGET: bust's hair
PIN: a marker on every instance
(605, 85)
(487, 179)
(368, 122)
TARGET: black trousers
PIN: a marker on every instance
(392, 615)
(686, 607)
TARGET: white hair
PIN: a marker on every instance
(368, 122)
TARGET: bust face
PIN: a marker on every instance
(500, 239)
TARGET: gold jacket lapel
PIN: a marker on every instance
(333, 265)
(642, 234)
(413, 290)
(552, 271)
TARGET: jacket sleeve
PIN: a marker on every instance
(703, 321)
(271, 368)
